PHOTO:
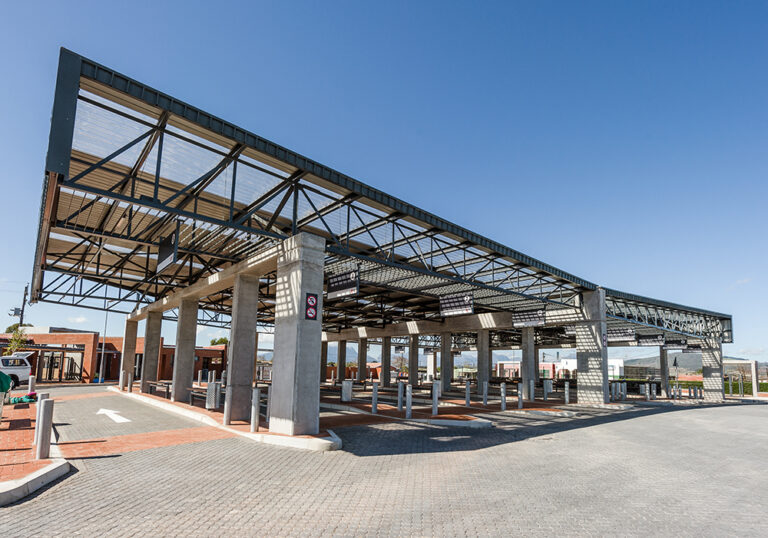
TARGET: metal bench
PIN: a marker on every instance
(166, 386)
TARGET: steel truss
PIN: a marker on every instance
(128, 166)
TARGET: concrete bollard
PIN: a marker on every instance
(32, 382)
(374, 397)
(130, 381)
(532, 389)
(40, 398)
(653, 391)
(120, 381)
(503, 396)
(211, 376)
(467, 401)
(647, 390)
(545, 387)
(43, 447)
(567, 392)
(435, 396)
(690, 392)
(519, 395)
(400, 395)
(346, 390)
(741, 386)
(408, 400)
(224, 378)
(730, 386)
(199, 378)
(485, 393)
(255, 409)
(623, 391)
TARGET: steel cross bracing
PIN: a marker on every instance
(128, 166)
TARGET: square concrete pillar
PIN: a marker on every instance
(431, 365)
(413, 360)
(528, 362)
(128, 355)
(152, 339)
(664, 371)
(592, 349)
(712, 370)
(323, 362)
(242, 348)
(184, 357)
(341, 360)
(298, 336)
(362, 359)
(446, 360)
(386, 361)
(483, 358)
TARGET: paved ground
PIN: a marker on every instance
(685, 472)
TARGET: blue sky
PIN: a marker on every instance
(624, 142)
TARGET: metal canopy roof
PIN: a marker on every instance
(128, 166)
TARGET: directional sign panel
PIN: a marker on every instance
(621, 334)
(343, 285)
(680, 343)
(650, 340)
(168, 251)
(529, 318)
(456, 305)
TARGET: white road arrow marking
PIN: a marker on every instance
(114, 415)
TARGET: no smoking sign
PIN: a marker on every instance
(310, 307)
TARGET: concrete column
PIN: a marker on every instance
(755, 379)
(323, 362)
(341, 361)
(184, 357)
(664, 372)
(592, 350)
(712, 370)
(154, 326)
(483, 358)
(528, 362)
(413, 360)
(242, 348)
(386, 361)
(431, 365)
(296, 382)
(446, 366)
(362, 359)
(128, 355)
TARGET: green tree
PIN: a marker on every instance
(17, 341)
(12, 328)
(220, 341)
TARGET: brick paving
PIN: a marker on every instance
(17, 431)
(660, 471)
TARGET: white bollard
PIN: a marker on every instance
(741, 386)
(485, 393)
(199, 378)
(730, 386)
(532, 389)
(40, 397)
(545, 387)
(374, 397)
(435, 396)
(408, 400)
(346, 390)
(400, 395)
(624, 391)
(255, 409)
(119, 383)
(567, 392)
(43, 447)
(647, 390)
(211, 376)
(32, 382)
(130, 381)
(519, 395)
(503, 396)
(653, 391)
(467, 402)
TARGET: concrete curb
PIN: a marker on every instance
(306, 443)
(15, 490)
(542, 412)
(474, 423)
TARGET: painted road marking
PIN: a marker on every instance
(114, 415)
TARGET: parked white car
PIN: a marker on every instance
(17, 367)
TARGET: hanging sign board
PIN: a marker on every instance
(344, 284)
(681, 343)
(692, 349)
(456, 305)
(650, 340)
(168, 253)
(530, 318)
(310, 307)
(621, 334)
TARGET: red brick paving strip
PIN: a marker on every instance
(17, 431)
